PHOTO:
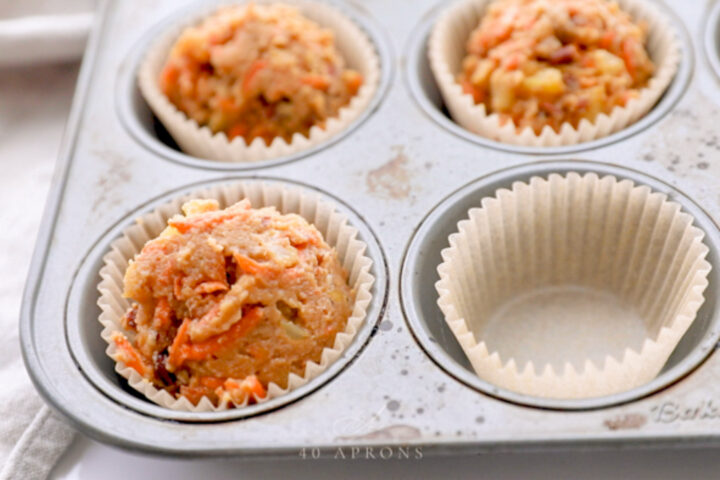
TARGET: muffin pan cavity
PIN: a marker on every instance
(425, 90)
(146, 128)
(84, 332)
(430, 329)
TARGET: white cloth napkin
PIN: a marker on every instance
(40, 437)
(32, 118)
(31, 438)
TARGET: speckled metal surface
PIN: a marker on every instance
(393, 169)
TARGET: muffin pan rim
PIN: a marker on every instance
(711, 40)
(416, 57)
(127, 89)
(523, 172)
(86, 275)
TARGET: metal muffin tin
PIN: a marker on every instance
(712, 38)
(403, 180)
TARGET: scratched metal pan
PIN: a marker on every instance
(404, 173)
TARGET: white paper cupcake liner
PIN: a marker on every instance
(332, 225)
(572, 286)
(446, 50)
(353, 44)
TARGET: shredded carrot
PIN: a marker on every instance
(248, 265)
(354, 82)
(169, 75)
(607, 39)
(628, 57)
(513, 62)
(175, 358)
(228, 105)
(237, 130)
(627, 96)
(177, 287)
(484, 40)
(211, 382)
(162, 315)
(471, 89)
(156, 248)
(250, 385)
(216, 38)
(212, 286)
(209, 316)
(252, 72)
(131, 357)
(202, 222)
(182, 350)
(495, 34)
(320, 82)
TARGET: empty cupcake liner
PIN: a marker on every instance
(332, 224)
(352, 43)
(446, 50)
(572, 286)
